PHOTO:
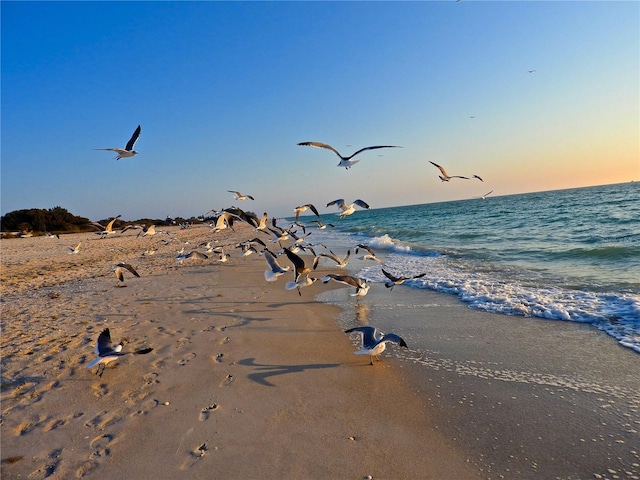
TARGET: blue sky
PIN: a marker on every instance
(225, 90)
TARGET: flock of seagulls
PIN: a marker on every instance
(302, 266)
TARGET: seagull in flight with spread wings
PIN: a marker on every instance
(348, 209)
(345, 162)
(107, 352)
(374, 341)
(128, 150)
(445, 177)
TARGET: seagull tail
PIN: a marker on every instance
(93, 363)
(270, 276)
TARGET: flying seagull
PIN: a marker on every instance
(107, 352)
(75, 249)
(445, 177)
(128, 150)
(398, 280)
(348, 209)
(118, 269)
(374, 341)
(321, 225)
(341, 262)
(304, 208)
(483, 197)
(300, 272)
(105, 230)
(361, 285)
(345, 162)
(367, 256)
(240, 196)
(275, 270)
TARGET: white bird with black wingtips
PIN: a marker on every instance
(345, 162)
(128, 150)
(374, 342)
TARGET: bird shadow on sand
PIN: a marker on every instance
(265, 371)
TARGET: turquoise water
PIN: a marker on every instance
(569, 255)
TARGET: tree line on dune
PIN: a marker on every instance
(58, 220)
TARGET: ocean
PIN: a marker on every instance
(567, 255)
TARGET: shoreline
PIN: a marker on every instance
(245, 379)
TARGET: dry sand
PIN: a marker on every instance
(245, 380)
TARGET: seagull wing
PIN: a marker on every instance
(444, 172)
(362, 203)
(339, 202)
(478, 177)
(134, 138)
(103, 345)
(322, 145)
(391, 277)
(128, 267)
(371, 148)
(296, 260)
(370, 335)
(392, 337)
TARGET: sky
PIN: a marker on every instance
(224, 92)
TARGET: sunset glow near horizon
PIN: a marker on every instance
(531, 96)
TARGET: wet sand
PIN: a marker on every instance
(245, 379)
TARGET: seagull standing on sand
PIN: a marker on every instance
(118, 269)
(348, 209)
(361, 285)
(345, 162)
(374, 341)
(128, 150)
(240, 196)
(445, 177)
(108, 352)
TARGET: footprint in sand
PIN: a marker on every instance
(225, 340)
(227, 380)
(100, 445)
(86, 468)
(186, 358)
(150, 378)
(52, 461)
(206, 411)
(99, 389)
(218, 358)
(183, 341)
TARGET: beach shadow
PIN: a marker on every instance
(267, 371)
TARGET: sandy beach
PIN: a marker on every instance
(248, 380)
(245, 379)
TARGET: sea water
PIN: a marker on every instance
(567, 255)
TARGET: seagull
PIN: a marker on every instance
(300, 269)
(361, 285)
(150, 230)
(75, 249)
(368, 256)
(348, 209)
(105, 230)
(342, 262)
(398, 280)
(374, 341)
(275, 270)
(193, 254)
(530, 71)
(240, 196)
(445, 177)
(303, 208)
(263, 222)
(128, 151)
(345, 162)
(118, 269)
(322, 226)
(483, 197)
(108, 353)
